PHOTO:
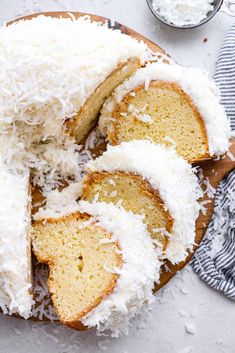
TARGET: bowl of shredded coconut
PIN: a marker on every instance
(188, 13)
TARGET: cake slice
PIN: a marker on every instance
(15, 244)
(134, 193)
(86, 118)
(102, 265)
(152, 181)
(78, 262)
(171, 105)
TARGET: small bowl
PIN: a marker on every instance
(224, 5)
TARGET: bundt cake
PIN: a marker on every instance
(102, 265)
(59, 80)
(153, 181)
(139, 199)
(15, 245)
(171, 105)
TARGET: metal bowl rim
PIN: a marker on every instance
(217, 7)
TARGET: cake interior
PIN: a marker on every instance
(81, 266)
(134, 194)
(86, 118)
(172, 119)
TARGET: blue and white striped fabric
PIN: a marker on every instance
(214, 261)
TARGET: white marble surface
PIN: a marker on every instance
(185, 304)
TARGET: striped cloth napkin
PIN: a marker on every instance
(214, 261)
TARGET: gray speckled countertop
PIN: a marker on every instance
(188, 316)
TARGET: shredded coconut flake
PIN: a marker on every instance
(231, 156)
(43, 308)
(190, 328)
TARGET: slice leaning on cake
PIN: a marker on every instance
(102, 264)
(171, 105)
(153, 181)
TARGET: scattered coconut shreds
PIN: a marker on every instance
(231, 156)
(184, 291)
(102, 345)
(182, 313)
(140, 114)
(43, 308)
(51, 162)
(170, 140)
(162, 58)
(220, 223)
(206, 187)
(94, 139)
(186, 350)
(166, 268)
(190, 328)
(203, 204)
(194, 312)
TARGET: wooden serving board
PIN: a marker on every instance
(214, 170)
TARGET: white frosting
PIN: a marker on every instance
(195, 83)
(172, 176)
(140, 268)
(183, 12)
(15, 260)
(48, 70)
